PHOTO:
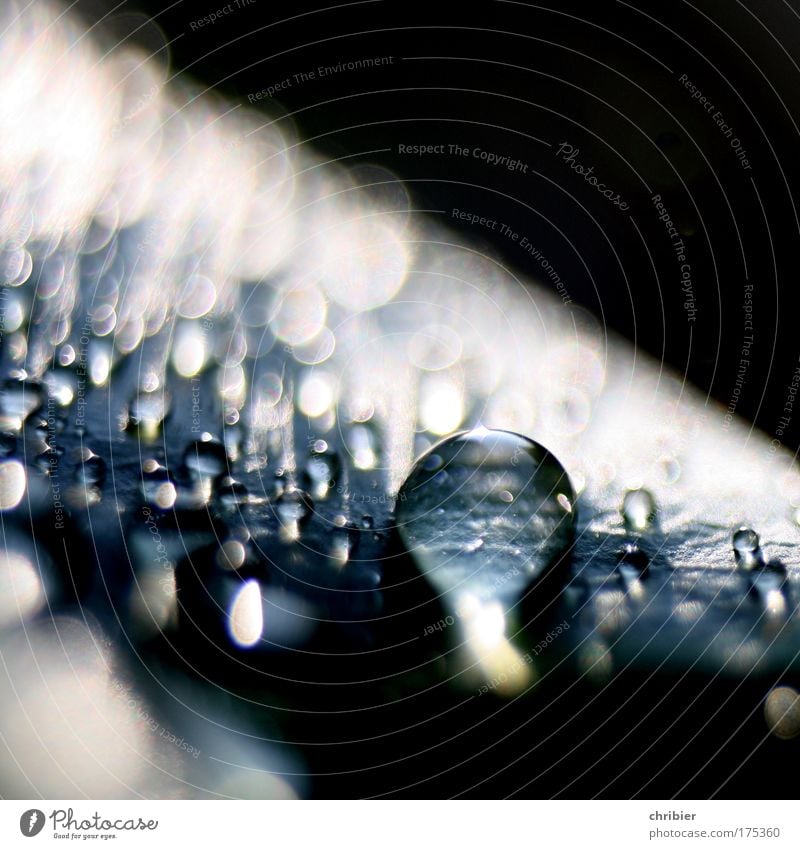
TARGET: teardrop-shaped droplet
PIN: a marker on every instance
(747, 548)
(638, 509)
(490, 485)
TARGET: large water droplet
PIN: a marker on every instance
(488, 485)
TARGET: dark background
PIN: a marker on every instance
(602, 76)
(519, 79)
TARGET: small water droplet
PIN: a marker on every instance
(367, 522)
(746, 548)
(206, 458)
(158, 487)
(321, 470)
(147, 411)
(231, 493)
(92, 471)
(294, 508)
(638, 509)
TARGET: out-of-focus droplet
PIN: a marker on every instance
(782, 712)
(198, 297)
(294, 508)
(147, 411)
(22, 593)
(362, 443)
(18, 399)
(91, 471)
(321, 470)
(746, 548)
(206, 458)
(638, 509)
(158, 487)
(247, 615)
(12, 484)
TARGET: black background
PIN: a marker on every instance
(602, 76)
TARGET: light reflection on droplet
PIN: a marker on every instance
(298, 315)
(189, 349)
(247, 615)
(316, 395)
(441, 405)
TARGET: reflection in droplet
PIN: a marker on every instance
(441, 404)
(782, 712)
(298, 315)
(247, 615)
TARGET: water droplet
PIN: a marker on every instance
(18, 399)
(206, 457)
(362, 443)
(158, 487)
(147, 411)
(638, 509)
(12, 484)
(231, 493)
(746, 548)
(633, 565)
(294, 508)
(322, 469)
(479, 471)
(782, 712)
(367, 522)
(92, 471)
